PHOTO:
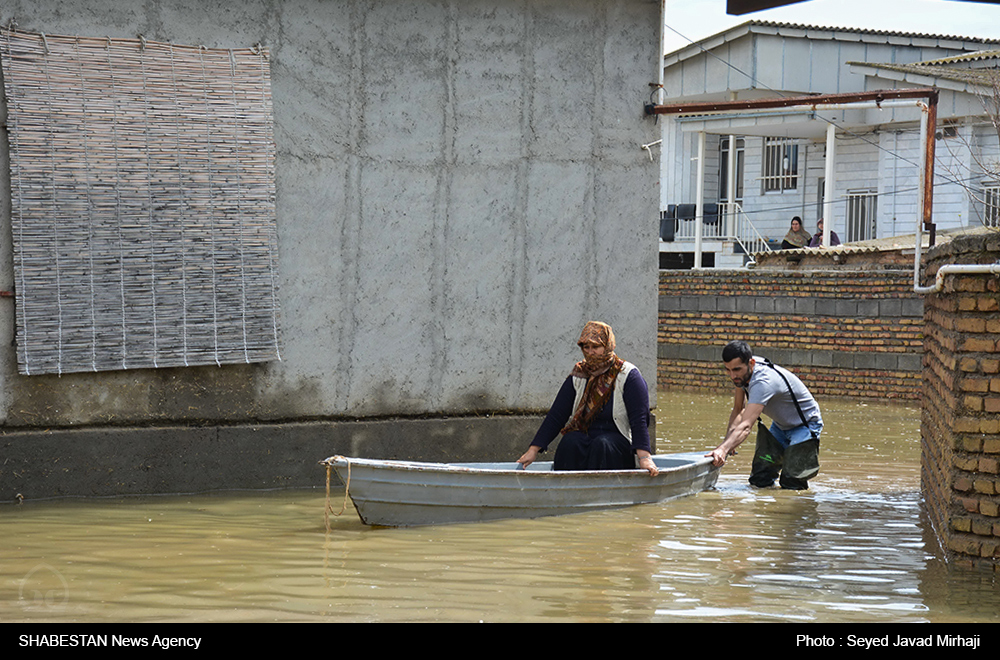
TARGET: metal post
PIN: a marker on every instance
(928, 187)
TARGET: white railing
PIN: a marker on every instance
(719, 222)
(743, 231)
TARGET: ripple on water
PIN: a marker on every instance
(855, 547)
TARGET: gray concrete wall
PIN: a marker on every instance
(459, 188)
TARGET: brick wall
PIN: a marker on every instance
(960, 423)
(844, 333)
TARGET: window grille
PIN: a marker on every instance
(781, 165)
(142, 190)
(862, 206)
(991, 205)
(724, 169)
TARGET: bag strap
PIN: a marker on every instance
(791, 393)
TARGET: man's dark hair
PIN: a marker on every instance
(737, 349)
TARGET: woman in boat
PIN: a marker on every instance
(601, 411)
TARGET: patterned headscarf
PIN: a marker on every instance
(600, 372)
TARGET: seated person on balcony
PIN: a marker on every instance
(601, 411)
(797, 237)
(817, 239)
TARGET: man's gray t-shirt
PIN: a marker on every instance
(768, 389)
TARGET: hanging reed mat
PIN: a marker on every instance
(142, 190)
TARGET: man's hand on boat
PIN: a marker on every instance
(720, 454)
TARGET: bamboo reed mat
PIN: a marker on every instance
(143, 213)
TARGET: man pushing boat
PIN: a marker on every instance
(789, 450)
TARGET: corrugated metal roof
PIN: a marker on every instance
(983, 77)
(867, 31)
(774, 27)
(978, 56)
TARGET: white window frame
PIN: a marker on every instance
(991, 203)
(780, 168)
(861, 215)
(724, 168)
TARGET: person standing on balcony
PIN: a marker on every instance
(817, 239)
(797, 237)
(790, 448)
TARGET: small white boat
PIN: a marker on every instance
(406, 493)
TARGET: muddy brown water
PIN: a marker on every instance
(856, 547)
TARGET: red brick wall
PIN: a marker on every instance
(845, 333)
(960, 424)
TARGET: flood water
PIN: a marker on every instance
(854, 548)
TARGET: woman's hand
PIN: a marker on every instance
(529, 456)
(646, 463)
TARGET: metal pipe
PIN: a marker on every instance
(928, 126)
(955, 269)
(809, 101)
(795, 110)
(929, 141)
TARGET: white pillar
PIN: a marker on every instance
(731, 192)
(830, 184)
(699, 210)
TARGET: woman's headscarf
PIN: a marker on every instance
(798, 238)
(600, 372)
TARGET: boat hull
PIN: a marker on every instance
(405, 493)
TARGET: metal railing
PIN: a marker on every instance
(720, 222)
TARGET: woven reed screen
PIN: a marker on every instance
(143, 217)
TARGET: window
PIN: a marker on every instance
(991, 204)
(724, 169)
(861, 214)
(142, 203)
(781, 165)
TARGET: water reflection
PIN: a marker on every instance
(853, 548)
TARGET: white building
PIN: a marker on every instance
(780, 170)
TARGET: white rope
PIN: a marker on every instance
(328, 509)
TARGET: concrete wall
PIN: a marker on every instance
(459, 188)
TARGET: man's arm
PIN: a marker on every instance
(739, 401)
(741, 421)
